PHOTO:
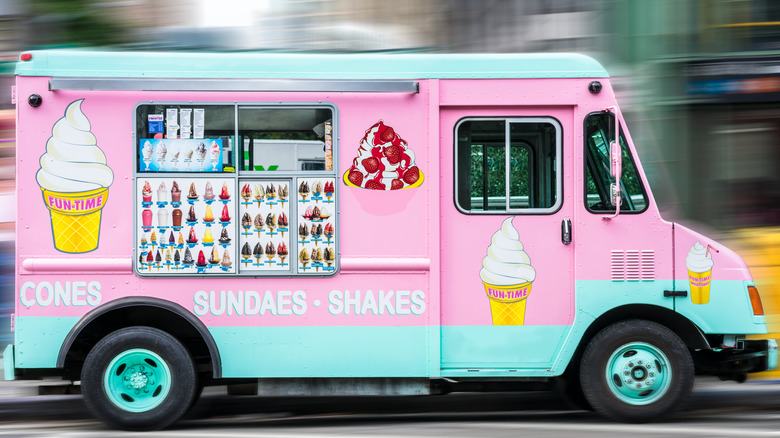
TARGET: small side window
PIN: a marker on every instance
(598, 128)
(508, 165)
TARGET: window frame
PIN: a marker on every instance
(236, 177)
(626, 152)
(281, 105)
(509, 120)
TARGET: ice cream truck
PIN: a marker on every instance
(362, 224)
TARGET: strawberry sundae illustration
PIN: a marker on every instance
(384, 162)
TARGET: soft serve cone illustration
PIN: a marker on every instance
(699, 264)
(507, 275)
(74, 179)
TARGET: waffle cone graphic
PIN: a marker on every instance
(507, 303)
(700, 286)
(75, 218)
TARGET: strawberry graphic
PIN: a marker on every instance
(393, 154)
(388, 135)
(355, 177)
(374, 185)
(370, 164)
(411, 175)
(384, 162)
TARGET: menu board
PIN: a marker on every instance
(185, 225)
(316, 238)
(265, 225)
(179, 155)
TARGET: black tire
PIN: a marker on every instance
(650, 370)
(170, 363)
(570, 388)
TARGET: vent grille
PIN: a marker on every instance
(633, 265)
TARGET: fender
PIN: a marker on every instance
(129, 302)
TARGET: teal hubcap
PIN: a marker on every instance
(137, 380)
(638, 373)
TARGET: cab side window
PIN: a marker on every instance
(508, 165)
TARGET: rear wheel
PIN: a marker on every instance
(636, 371)
(139, 378)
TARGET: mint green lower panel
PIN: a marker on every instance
(323, 351)
(501, 346)
(728, 310)
(8, 363)
(38, 339)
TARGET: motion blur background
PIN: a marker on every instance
(698, 82)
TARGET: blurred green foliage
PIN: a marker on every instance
(74, 22)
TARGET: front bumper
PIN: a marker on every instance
(749, 356)
(9, 365)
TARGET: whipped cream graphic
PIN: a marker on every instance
(162, 150)
(147, 150)
(214, 150)
(73, 162)
(698, 259)
(201, 150)
(506, 262)
(174, 151)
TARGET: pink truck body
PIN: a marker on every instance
(404, 297)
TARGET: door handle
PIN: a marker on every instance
(675, 293)
(566, 231)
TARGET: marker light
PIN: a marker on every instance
(755, 300)
(25, 56)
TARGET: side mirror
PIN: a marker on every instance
(615, 170)
(616, 160)
(614, 192)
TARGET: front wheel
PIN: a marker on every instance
(636, 371)
(139, 378)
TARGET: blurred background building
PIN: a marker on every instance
(699, 80)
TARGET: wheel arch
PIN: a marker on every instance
(131, 311)
(689, 332)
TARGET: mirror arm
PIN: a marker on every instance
(614, 164)
(617, 211)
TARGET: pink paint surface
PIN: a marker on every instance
(726, 264)
(405, 240)
(391, 227)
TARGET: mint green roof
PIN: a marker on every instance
(78, 63)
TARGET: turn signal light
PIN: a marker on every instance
(755, 300)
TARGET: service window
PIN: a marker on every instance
(285, 138)
(598, 128)
(272, 210)
(508, 165)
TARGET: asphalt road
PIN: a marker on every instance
(715, 410)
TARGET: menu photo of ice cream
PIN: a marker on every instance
(180, 155)
(264, 221)
(316, 240)
(185, 226)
